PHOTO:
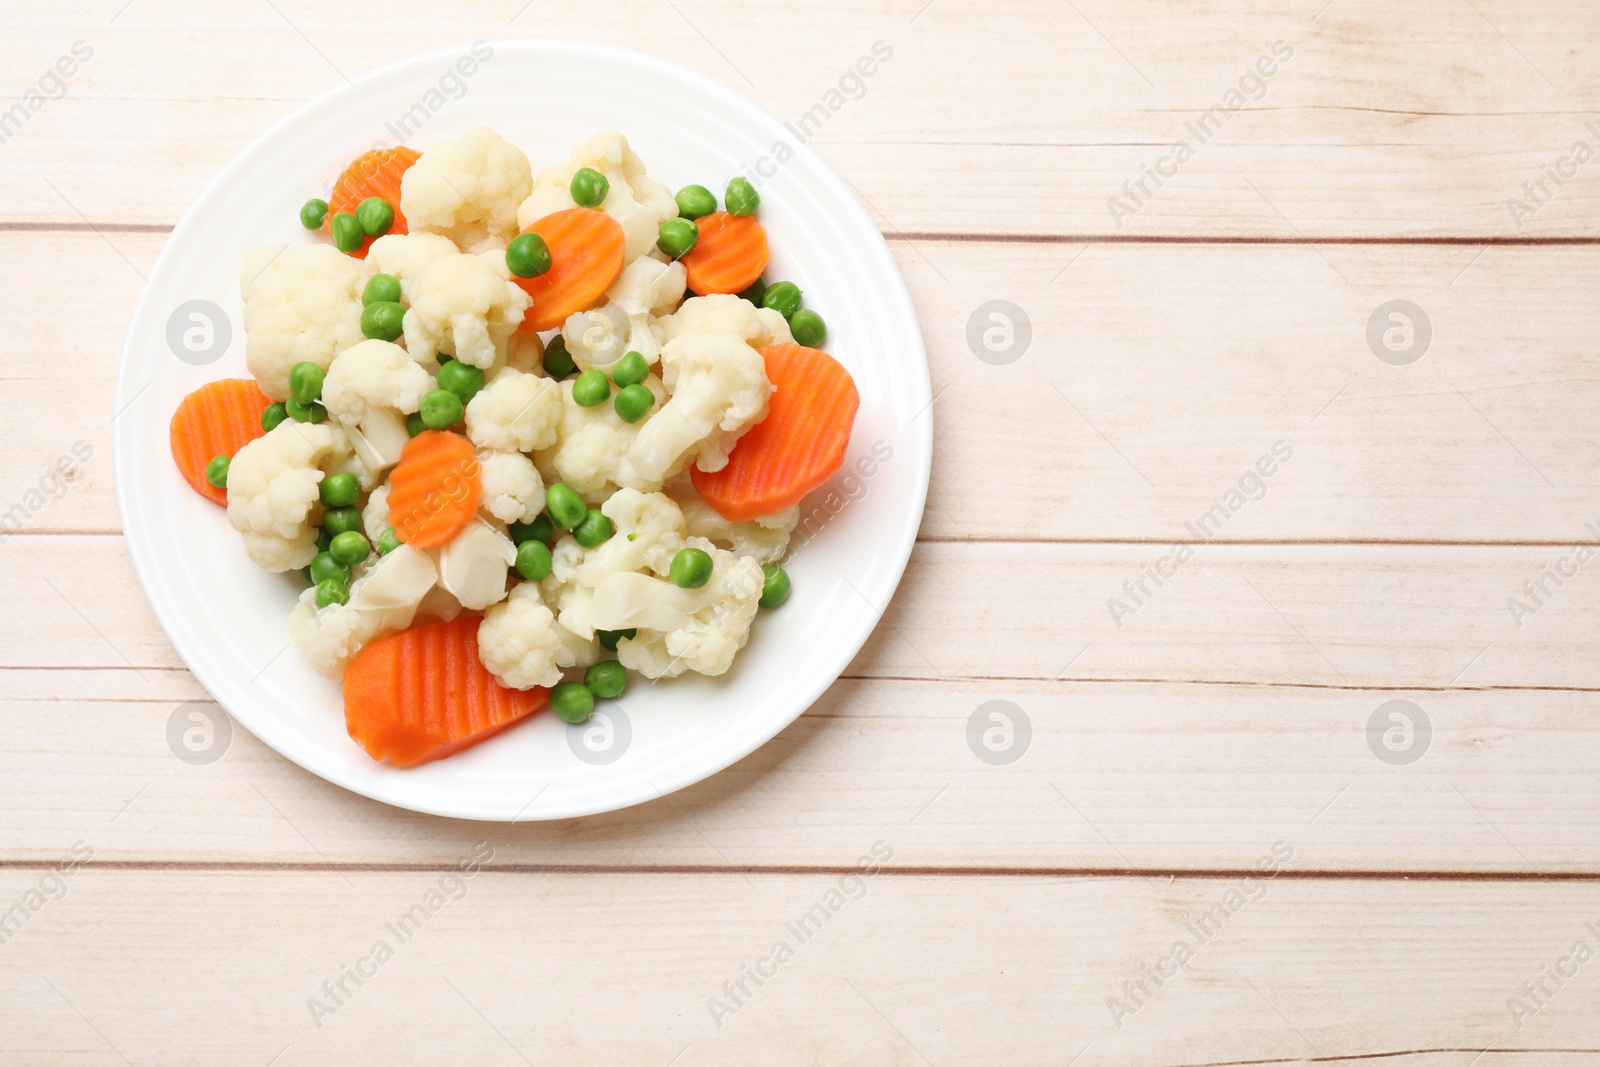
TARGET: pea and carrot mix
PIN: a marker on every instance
(518, 436)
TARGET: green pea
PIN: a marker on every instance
(609, 638)
(461, 379)
(774, 585)
(589, 187)
(741, 197)
(332, 591)
(527, 256)
(676, 237)
(630, 370)
(217, 471)
(341, 520)
(591, 388)
(595, 529)
(634, 402)
(272, 415)
(784, 298)
(305, 381)
(304, 412)
(324, 540)
(381, 289)
(325, 567)
(350, 548)
(754, 294)
(607, 678)
(383, 321)
(441, 409)
(539, 529)
(565, 506)
(557, 360)
(388, 541)
(305, 575)
(533, 560)
(414, 423)
(375, 215)
(312, 212)
(695, 201)
(572, 701)
(347, 235)
(339, 490)
(691, 568)
(808, 328)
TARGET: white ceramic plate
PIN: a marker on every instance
(228, 619)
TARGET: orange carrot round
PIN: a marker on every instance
(586, 248)
(434, 489)
(374, 173)
(796, 447)
(423, 694)
(217, 419)
(728, 256)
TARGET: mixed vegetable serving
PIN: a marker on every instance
(520, 436)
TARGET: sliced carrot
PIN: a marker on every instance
(728, 256)
(796, 447)
(423, 694)
(217, 419)
(374, 173)
(434, 489)
(586, 248)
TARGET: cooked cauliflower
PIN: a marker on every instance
(525, 352)
(272, 491)
(648, 533)
(681, 629)
(765, 539)
(465, 306)
(598, 337)
(515, 412)
(593, 444)
(472, 567)
(523, 645)
(648, 287)
(467, 189)
(638, 202)
(300, 305)
(384, 600)
(512, 488)
(723, 313)
(370, 388)
(719, 390)
(407, 255)
(375, 516)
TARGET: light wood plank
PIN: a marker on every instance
(1416, 123)
(178, 967)
(1156, 378)
(1105, 777)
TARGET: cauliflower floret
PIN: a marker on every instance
(272, 491)
(724, 313)
(407, 255)
(681, 629)
(472, 567)
(300, 305)
(523, 645)
(465, 306)
(512, 488)
(370, 388)
(598, 337)
(375, 516)
(593, 444)
(525, 352)
(648, 533)
(515, 412)
(383, 601)
(467, 189)
(765, 539)
(647, 287)
(719, 390)
(638, 202)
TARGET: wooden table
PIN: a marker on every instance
(1194, 313)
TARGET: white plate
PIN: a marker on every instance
(228, 619)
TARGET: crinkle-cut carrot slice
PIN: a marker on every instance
(586, 250)
(217, 419)
(434, 489)
(728, 256)
(374, 173)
